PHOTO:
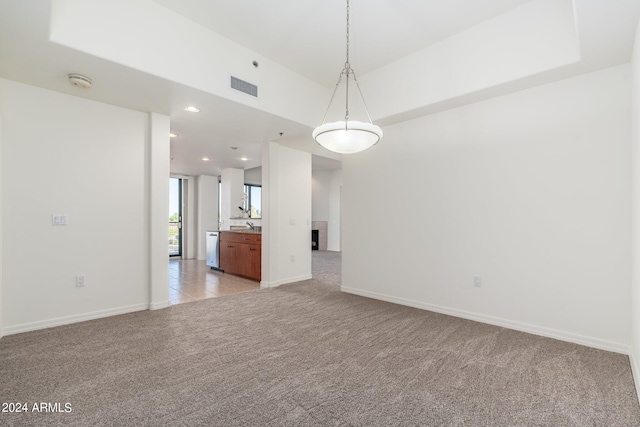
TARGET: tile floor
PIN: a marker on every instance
(191, 280)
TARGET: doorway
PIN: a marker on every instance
(175, 217)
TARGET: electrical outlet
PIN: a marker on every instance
(59, 219)
(477, 281)
(79, 281)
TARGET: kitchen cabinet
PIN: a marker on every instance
(241, 254)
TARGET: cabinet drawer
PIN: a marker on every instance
(230, 236)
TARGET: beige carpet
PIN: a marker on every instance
(308, 355)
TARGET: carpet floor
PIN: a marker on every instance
(306, 354)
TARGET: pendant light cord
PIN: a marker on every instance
(347, 65)
(347, 71)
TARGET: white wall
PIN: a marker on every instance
(635, 185)
(232, 183)
(1, 206)
(539, 36)
(253, 176)
(320, 194)
(207, 210)
(157, 191)
(286, 220)
(326, 192)
(530, 191)
(67, 155)
(335, 212)
(200, 58)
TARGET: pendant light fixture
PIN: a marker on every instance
(348, 136)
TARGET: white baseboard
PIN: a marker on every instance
(266, 285)
(635, 370)
(510, 324)
(43, 324)
(159, 305)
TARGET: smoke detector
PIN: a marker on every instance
(80, 81)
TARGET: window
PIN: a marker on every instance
(254, 200)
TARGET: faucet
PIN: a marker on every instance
(251, 225)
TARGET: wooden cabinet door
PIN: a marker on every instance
(254, 261)
(229, 259)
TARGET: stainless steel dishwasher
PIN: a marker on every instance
(213, 249)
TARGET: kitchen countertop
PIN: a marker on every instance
(246, 231)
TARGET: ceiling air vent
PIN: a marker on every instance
(243, 86)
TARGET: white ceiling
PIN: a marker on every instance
(304, 36)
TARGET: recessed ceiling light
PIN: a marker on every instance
(173, 135)
(205, 159)
(244, 159)
(191, 109)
